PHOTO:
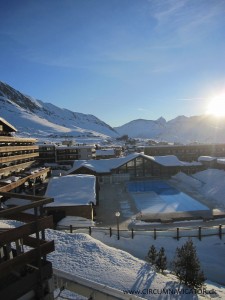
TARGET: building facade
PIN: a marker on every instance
(51, 153)
(187, 152)
(18, 156)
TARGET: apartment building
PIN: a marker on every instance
(187, 152)
(62, 154)
(18, 158)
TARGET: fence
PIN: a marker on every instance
(176, 233)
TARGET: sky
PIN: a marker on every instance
(119, 60)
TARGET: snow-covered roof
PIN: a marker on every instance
(173, 161)
(221, 161)
(71, 190)
(105, 152)
(106, 165)
(206, 158)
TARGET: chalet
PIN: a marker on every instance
(134, 166)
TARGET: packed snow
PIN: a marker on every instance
(89, 258)
(71, 190)
(209, 183)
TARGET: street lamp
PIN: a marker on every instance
(117, 214)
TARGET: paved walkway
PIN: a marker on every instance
(113, 198)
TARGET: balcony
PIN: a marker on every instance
(23, 265)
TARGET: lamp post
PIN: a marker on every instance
(117, 214)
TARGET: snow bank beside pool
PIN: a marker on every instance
(209, 183)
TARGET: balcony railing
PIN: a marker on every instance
(23, 250)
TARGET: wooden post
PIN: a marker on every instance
(110, 231)
(200, 233)
(71, 228)
(154, 233)
(220, 231)
(89, 230)
(178, 235)
(132, 233)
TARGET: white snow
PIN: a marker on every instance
(71, 190)
(209, 183)
(151, 202)
(126, 269)
(107, 165)
(172, 160)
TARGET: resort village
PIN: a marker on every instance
(77, 218)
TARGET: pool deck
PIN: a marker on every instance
(114, 197)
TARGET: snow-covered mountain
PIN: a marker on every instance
(204, 129)
(36, 118)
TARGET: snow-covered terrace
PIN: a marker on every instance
(72, 190)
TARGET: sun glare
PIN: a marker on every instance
(217, 107)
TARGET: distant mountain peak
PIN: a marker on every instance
(31, 116)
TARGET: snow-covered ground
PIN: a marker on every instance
(209, 183)
(121, 263)
(127, 270)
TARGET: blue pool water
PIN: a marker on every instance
(158, 196)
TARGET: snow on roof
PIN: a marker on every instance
(221, 161)
(105, 152)
(71, 190)
(173, 161)
(206, 158)
(103, 165)
(106, 165)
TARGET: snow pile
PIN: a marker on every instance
(81, 255)
(183, 178)
(209, 183)
(84, 256)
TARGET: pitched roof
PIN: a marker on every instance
(107, 165)
(13, 129)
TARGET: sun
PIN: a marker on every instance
(216, 107)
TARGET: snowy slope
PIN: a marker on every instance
(205, 129)
(86, 257)
(31, 116)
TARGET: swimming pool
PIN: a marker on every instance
(157, 196)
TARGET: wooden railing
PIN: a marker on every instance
(19, 182)
(14, 256)
(18, 157)
(6, 149)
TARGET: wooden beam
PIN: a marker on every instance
(18, 148)
(20, 208)
(21, 196)
(28, 257)
(25, 230)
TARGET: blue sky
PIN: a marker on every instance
(119, 60)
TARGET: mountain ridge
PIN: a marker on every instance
(182, 129)
(35, 118)
(30, 115)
